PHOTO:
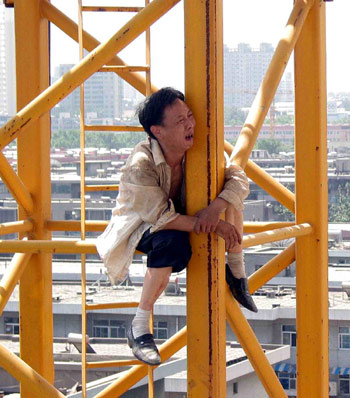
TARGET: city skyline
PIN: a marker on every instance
(244, 22)
(169, 70)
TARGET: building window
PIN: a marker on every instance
(109, 328)
(160, 330)
(344, 338)
(289, 335)
(235, 388)
(12, 325)
(344, 384)
(288, 380)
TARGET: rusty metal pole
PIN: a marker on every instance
(32, 70)
(205, 174)
(312, 206)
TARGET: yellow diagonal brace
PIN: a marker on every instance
(84, 69)
(11, 277)
(272, 268)
(25, 374)
(252, 348)
(268, 87)
(15, 185)
(90, 43)
(266, 182)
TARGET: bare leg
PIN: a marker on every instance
(139, 338)
(156, 280)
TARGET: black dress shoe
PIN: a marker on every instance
(239, 290)
(144, 348)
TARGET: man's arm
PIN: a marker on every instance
(224, 229)
(208, 218)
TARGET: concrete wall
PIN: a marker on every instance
(248, 386)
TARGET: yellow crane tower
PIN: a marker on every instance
(205, 332)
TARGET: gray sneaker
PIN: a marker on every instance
(144, 348)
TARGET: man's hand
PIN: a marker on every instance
(208, 218)
(229, 233)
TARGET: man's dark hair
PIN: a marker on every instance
(151, 110)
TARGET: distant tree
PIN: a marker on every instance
(284, 119)
(282, 213)
(340, 211)
(346, 104)
(272, 145)
(96, 139)
(234, 116)
(65, 139)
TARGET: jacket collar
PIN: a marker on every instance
(157, 152)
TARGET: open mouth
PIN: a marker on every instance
(189, 137)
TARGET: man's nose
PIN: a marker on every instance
(190, 123)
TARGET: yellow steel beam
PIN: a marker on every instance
(111, 9)
(15, 185)
(272, 268)
(252, 348)
(277, 234)
(136, 373)
(311, 206)
(113, 128)
(206, 365)
(265, 181)
(11, 277)
(104, 306)
(16, 227)
(69, 225)
(84, 69)
(90, 43)
(268, 87)
(47, 246)
(253, 227)
(111, 364)
(126, 68)
(96, 225)
(88, 246)
(39, 386)
(99, 188)
(33, 166)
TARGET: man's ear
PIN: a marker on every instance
(155, 130)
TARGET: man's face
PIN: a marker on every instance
(177, 129)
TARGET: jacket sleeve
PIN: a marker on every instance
(141, 193)
(236, 187)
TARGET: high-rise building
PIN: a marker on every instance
(7, 66)
(103, 95)
(244, 70)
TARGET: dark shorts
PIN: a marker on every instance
(166, 248)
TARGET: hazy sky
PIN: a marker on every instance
(248, 21)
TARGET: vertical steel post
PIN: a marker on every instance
(32, 71)
(311, 206)
(205, 174)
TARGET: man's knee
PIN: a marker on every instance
(171, 248)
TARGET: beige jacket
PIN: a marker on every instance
(143, 202)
